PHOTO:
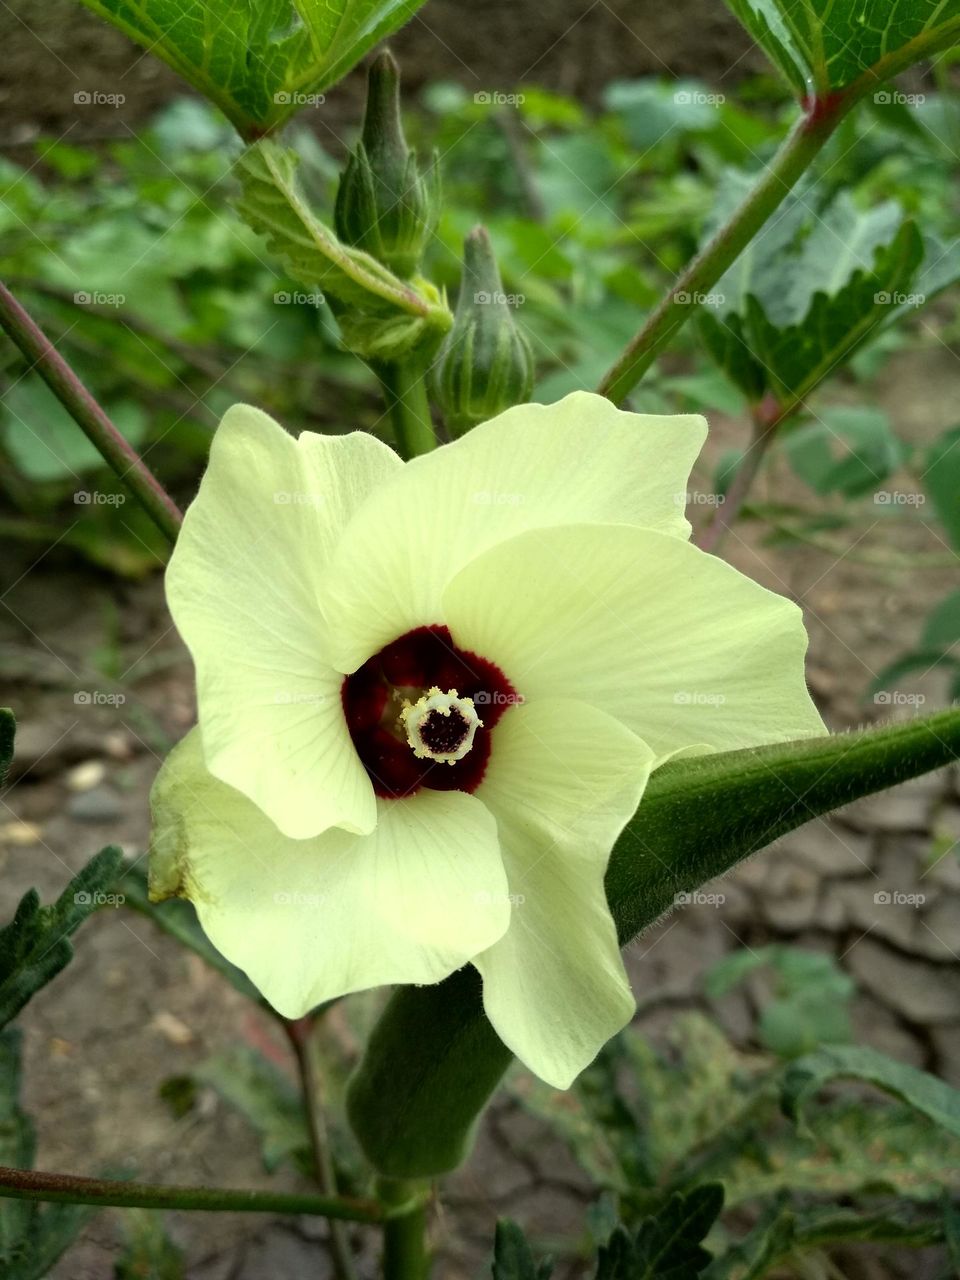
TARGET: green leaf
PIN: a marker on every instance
(32, 1236)
(825, 45)
(942, 480)
(789, 362)
(178, 918)
(784, 1233)
(433, 1059)
(810, 1006)
(667, 1245)
(266, 1098)
(513, 1258)
(926, 1093)
(35, 945)
(45, 442)
(942, 627)
(149, 1253)
(849, 449)
(385, 317)
(258, 60)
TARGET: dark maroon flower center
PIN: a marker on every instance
(443, 733)
(402, 673)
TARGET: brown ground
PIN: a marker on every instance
(134, 1010)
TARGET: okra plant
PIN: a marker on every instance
(474, 709)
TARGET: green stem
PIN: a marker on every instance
(30, 1184)
(795, 156)
(89, 416)
(405, 391)
(799, 150)
(303, 1037)
(765, 424)
(405, 1231)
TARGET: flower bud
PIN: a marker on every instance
(385, 205)
(485, 364)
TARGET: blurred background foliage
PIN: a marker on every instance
(129, 253)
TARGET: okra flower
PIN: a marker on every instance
(430, 696)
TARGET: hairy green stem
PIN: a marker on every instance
(88, 415)
(405, 391)
(303, 1038)
(30, 1184)
(799, 150)
(795, 156)
(405, 1231)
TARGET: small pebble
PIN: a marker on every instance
(100, 804)
(86, 776)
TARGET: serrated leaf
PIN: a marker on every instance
(666, 1245)
(790, 362)
(258, 60)
(266, 1098)
(513, 1258)
(273, 203)
(783, 1233)
(35, 945)
(822, 46)
(32, 1236)
(930, 1096)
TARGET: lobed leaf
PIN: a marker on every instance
(822, 46)
(35, 945)
(933, 1097)
(666, 1245)
(258, 60)
(32, 1236)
